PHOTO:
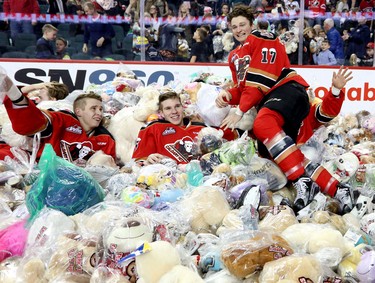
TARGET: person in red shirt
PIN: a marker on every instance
(74, 136)
(171, 137)
(25, 7)
(260, 70)
(367, 6)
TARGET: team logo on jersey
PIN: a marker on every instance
(169, 131)
(74, 129)
(137, 141)
(182, 149)
(77, 152)
(241, 65)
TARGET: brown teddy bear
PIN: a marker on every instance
(243, 258)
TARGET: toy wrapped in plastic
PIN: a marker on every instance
(294, 268)
(46, 228)
(209, 139)
(266, 169)
(63, 186)
(244, 257)
(250, 191)
(73, 259)
(117, 183)
(239, 151)
(121, 237)
(314, 148)
(204, 207)
(156, 176)
(194, 173)
(13, 240)
(206, 105)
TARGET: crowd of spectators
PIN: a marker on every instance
(192, 31)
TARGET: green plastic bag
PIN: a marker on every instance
(63, 186)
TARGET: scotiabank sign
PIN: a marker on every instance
(360, 92)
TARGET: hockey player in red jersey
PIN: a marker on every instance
(172, 137)
(260, 70)
(74, 136)
(323, 110)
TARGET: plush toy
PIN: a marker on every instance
(181, 274)
(156, 177)
(121, 238)
(125, 140)
(95, 219)
(243, 258)
(347, 267)
(231, 222)
(151, 266)
(132, 119)
(73, 259)
(13, 240)
(9, 270)
(344, 166)
(47, 227)
(276, 218)
(366, 267)
(369, 124)
(205, 207)
(294, 268)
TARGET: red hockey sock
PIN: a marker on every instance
(323, 178)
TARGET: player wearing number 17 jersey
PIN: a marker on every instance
(261, 71)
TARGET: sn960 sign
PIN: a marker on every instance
(84, 77)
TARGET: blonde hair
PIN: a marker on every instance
(48, 27)
(80, 101)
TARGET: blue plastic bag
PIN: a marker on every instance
(63, 186)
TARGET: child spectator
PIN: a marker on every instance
(325, 56)
(368, 59)
(61, 46)
(44, 47)
(199, 48)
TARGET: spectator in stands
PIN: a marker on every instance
(23, 7)
(97, 34)
(44, 46)
(366, 5)
(74, 7)
(317, 8)
(310, 44)
(368, 59)
(162, 7)
(61, 46)
(168, 40)
(342, 6)
(209, 42)
(335, 40)
(325, 56)
(357, 39)
(185, 21)
(132, 10)
(199, 47)
(57, 7)
(225, 9)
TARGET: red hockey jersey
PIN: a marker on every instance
(62, 130)
(256, 65)
(170, 140)
(321, 112)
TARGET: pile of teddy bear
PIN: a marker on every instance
(217, 219)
